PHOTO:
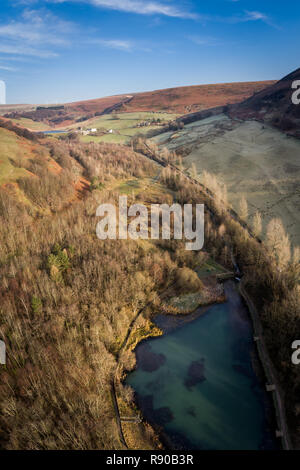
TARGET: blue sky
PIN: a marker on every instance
(66, 50)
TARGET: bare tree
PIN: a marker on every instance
(257, 224)
(278, 243)
(218, 189)
(243, 208)
(194, 173)
(225, 196)
(165, 154)
(296, 255)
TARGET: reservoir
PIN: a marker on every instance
(200, 384)
(55, 132)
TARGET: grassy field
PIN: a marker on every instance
(13, 150)
(109, 138)
(253, 160)
(124, 126)
(31, 125)
(209, 268)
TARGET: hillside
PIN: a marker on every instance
(28, 171)
(68, 299)
(273, 105)
(9, 108)
(65, 114)
(183, 100)
(69, 302)
(179, 100)
(20, 150)
(254, 159)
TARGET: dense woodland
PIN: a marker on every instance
(67, 298)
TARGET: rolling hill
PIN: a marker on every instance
(250, 147)
(192, 98)
(273, 105)
(29, 168)
(65, 114)
(179, 100)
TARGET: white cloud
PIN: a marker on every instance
(255, 16)
(24, 31)
(141, 7)
(12, 58)
(203, 41)
(122, 45)
(37, 26)
(8, 69)
(244, 17)
(33, 33)
(18, 49)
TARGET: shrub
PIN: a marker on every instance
(58, 263)
(36, 304)
(96, 184)
(187, 280)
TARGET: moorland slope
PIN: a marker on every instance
(178, 100)
(273, 105)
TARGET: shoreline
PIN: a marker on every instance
(268, 370)
(152, 331)
(257, 366)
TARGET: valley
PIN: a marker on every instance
(149, 231)
(79, 314)
(252, 159)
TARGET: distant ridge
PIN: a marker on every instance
(180, 100)
(194, 98)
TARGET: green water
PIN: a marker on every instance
(197, 381)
